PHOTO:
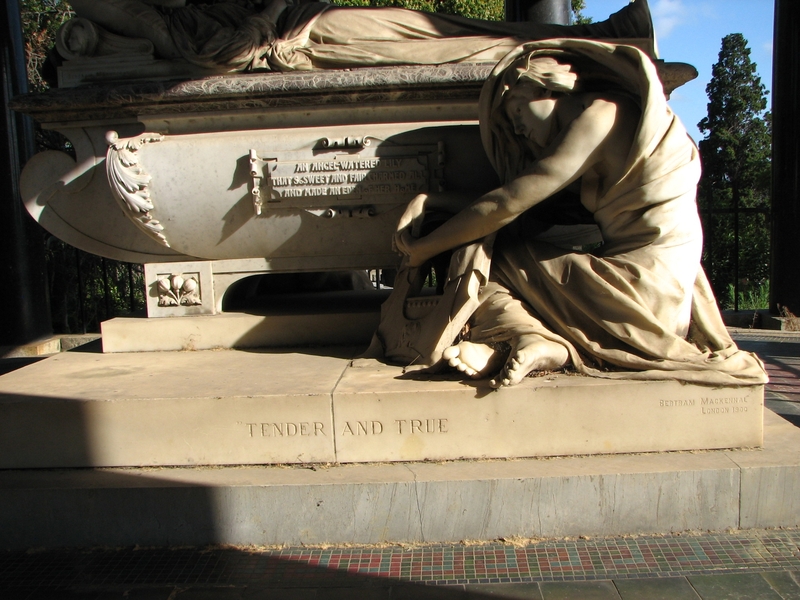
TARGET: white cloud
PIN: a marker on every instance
(676, 97)
(706, 11)
(668, 14)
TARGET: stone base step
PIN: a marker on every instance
(411, 502)
(233, 407)
(48, 346)
(236, 330)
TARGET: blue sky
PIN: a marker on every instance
(691, 31)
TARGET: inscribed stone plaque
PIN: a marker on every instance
(368, 173)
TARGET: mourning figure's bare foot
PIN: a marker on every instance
(475, 360)
(530, 353)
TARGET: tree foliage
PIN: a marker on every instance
(40, 21)
(578, 6)
(490, 10)
(735, 188)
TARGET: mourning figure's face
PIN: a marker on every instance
(530, 109)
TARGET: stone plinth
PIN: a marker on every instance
(544, 416)
(237, 330)
(411, 502)
(313, 406)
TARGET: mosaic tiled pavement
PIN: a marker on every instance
(780, 351)
(542, 569)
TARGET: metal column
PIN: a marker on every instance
(539, 11)
(24, 304)
(785, 263)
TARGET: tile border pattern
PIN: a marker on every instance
(304, 567)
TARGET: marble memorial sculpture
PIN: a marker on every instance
(278, 35)
(591, 118)
(560, 115)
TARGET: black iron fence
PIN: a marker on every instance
(86, 289)
(736, 255)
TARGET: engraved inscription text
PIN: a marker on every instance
(288, 429)
(723, 406)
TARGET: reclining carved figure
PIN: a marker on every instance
(273, 34)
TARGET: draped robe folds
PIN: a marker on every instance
(318, 36)
(240, 36)
(623, 311)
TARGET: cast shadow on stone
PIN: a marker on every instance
(793, 419)
(52, 496)
(454, 160)
(791, 368)
(164, 573)
(481, 386)
(778, 352)
(242, 211)
(7, 365)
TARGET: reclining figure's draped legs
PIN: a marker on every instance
(314, 35)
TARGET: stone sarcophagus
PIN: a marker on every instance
(211, 180)
(307, 171)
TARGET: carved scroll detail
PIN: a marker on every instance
(129, 181)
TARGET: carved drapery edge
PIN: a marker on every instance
(129, 182)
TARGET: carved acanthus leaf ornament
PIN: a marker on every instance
(130, 183)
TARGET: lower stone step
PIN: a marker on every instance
(408, 502)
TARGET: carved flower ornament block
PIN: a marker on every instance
(179, 290)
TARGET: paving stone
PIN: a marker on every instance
(160, 593)
(504, 590)
(153, 573)
(428, 592)
(670, 588)
(16, 594)
(52, 594)
(260, 593)
(211, 593)
(583, 590)
(744, 586)
(353, 593)
(783, 583)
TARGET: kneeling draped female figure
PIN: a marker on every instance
(592, 118)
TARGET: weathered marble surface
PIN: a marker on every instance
(268, 90)
(255, 91)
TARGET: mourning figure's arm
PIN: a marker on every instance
(579, 147)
